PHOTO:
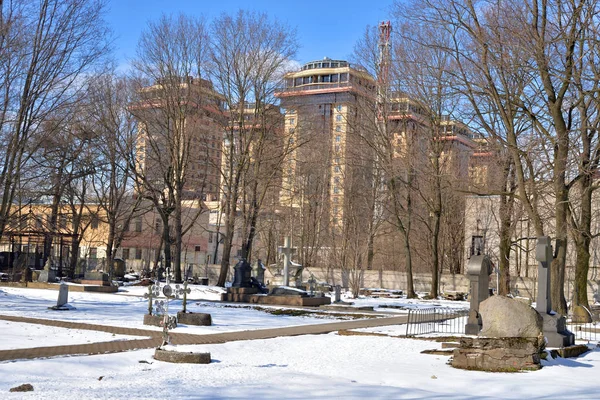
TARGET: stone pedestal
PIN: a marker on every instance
(555, 331)
(96, 278)
(47, 276)
(180, 357)
(498, 354)
(154, 320)
(197, 319)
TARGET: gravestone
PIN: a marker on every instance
(555, 325)
(479, 270)
(287, 250)
(260, 272)
(100, 278)
(47, 275)
(63, 299)
(242, 272)
(338, 293)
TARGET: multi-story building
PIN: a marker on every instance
(320, 104)
(181, 124)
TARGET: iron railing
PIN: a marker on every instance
(425, 321)
(585, 331)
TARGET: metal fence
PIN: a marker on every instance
(443, 320)
(585, 331)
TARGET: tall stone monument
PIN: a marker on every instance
(287, 251)
(479, 270)
(555, 328)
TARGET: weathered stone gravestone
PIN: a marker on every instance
(287, 250)
(479, 270)
(338, 293)
(506, 317)
(555, 325)
(47, 275)
(63, 299)
(260, 272)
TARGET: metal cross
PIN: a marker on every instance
(153, 292)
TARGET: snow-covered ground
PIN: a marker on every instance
(313, 366)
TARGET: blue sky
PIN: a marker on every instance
(325, 28)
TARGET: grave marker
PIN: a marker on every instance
(555, 325)
(479, 270)
(287, 250)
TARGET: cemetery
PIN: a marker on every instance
(192, 209)
(212, 328)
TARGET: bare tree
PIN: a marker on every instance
(249, 53)
(114, 130)
(174, 102)
(45, 48)
(530, 47)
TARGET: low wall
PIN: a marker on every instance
(520, 286)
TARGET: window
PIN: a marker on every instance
(336, 179)
(138, 254)
(336, 210)
(339, 108)
(338, 138)
(196, 248)
(337, 147)
(292, 121)
(138, 224)
(94, 223)
(62, 221)
(338, 118)
(338, 128)
(93, 252)
(476, 245)
(335, 200)
(336, 190)
(125, 254)
(336, 168)
(208, 259)
(210, 237)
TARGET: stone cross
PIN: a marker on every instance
(312, 284)
(543, 254)
(287, 251)
(555, 325)
(338, 293)
(479, 270)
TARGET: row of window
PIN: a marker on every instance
(63, 221)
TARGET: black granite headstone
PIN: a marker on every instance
(242, 272)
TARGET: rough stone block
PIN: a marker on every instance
(498, 354)
(503, 317)
(181, 357)
(199, 319)
(154, 320)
